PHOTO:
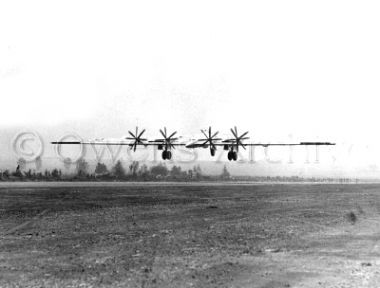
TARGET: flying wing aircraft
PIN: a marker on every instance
(168, 142)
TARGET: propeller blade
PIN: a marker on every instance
(216, 133)
(130, 133)
(241, 136)
(233, 133)
(175, 132)
(204, 133)
(162, 133)
(141, 133)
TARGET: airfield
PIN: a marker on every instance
(72, 234)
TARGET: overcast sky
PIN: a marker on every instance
(310, 68)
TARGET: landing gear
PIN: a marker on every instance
(232, 155)
(212, 151)
(166, 155)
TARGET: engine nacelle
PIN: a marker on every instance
(225, 147)
(160, 146)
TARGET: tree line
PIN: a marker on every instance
(134, 171)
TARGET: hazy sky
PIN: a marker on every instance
(310, 68)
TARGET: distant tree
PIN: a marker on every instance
(197, 171)
(225, 173)
(47, 174)
(176, 172)
(101, 169)
(55, 173)
(21, 163)
(6, 173)
(82, 167)
(143, 172)
(159, 170)
(133, 168)
(118, 170)
(28, 174)
(190, 173)
(17, 173)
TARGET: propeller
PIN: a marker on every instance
(238, 139)
(137, 138)
(210, 138)
(168, 140)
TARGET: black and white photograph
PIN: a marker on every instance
(189, 144)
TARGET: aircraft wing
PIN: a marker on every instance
(129, 143)
(227, 142)
(231, 142)
(193, 145)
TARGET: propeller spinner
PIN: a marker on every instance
(168, 140)
(209, 140)
(238, 139)
(137, 138)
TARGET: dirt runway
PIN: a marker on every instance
(185, 235)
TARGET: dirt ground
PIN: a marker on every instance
(173, 235)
